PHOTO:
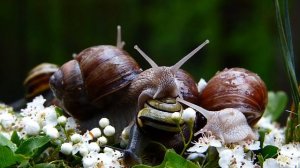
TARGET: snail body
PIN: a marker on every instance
(232, 102)
(229, 124)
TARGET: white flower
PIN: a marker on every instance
(62, 120)
(96, 132)
(108, 150)
(291, 150)
(50, 116)
(270, 162)
(109, 130)
(250, 144)
(93, 146)
(266, 123)
(201, 85)
(90, 160)
(189, 115)
(176, 116)
(234, 158)
(66, 148)
(75, 138)
(109, 158)
(7, 119)
(103, 122)
(70, 124)
(204, 142)
(102, 140)
(275, 138)
(33, 107)
(52, 132)
(225, 157)
(83, 150)
(86, 137)
(31, 127)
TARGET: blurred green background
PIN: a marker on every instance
(242, 33)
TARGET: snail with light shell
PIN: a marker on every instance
(105, 81)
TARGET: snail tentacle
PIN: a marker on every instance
(147, 58)
(175, 67)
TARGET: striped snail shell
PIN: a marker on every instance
(157, 114)
(37, 80)
(155, 124)
(37, 83)
(236, 88)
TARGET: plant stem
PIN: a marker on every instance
(285, 36)
(186, 143)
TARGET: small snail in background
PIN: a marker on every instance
(105, 81)
(37, 83)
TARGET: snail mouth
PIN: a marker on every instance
(157, 113)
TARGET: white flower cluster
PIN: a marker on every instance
(289, 156)
(233, 155)
(242, 154)
(89, 145)
(36, 119)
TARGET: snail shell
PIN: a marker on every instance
(37, 83)
(155, 124)
(236, 88)
(92, 85)
(37, 80)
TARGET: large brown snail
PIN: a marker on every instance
(105, 81)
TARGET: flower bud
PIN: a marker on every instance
(109, 130)
(66, 148)
(103, 122)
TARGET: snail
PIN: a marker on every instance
(229, 124)
(236, 88)
(37, 83)
(105, 81)
(37, 80)
(156, 103)
(232, 101)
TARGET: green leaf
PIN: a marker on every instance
(6, 142)
(44, 165)
(269, 151)
(276, 104)
(172, 160)
(31, 146)
(262, 134)
(15, 138)
(8, 157)
(59, 111)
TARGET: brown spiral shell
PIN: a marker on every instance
(236, 88)
(86, 82)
